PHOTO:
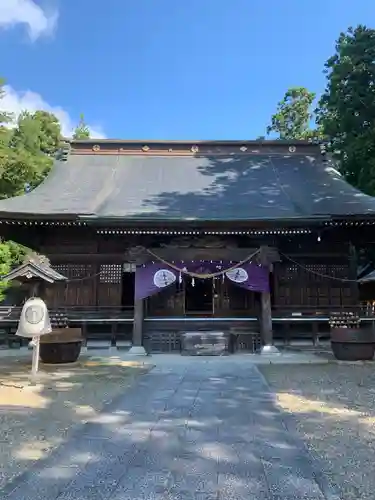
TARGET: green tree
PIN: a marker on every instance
(38, 133)
(5, 266)
(26, 155)
(293, 117)
(29, 152)
(82, 131)
(5, 117)
(347, 107)
(5, 133)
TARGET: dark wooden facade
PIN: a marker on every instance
(79, 253)
(312, 260)
(307, 278)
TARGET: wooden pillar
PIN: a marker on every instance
(138, 323)
(137, 348)
(265, 310)
(353, 269)
(266, 318)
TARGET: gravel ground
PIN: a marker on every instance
(334, 405)
(36, 417)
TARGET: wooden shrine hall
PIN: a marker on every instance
(256, 239)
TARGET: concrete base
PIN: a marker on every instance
(98, 344)
(137, 350)
(269, 349)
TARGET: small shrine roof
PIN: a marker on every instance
(191, 181)
(34, 270)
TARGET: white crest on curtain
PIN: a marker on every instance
(163, 278)
(238, 275)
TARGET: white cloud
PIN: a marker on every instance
(16, 102)
(39, 21)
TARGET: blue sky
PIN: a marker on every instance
(168, 69)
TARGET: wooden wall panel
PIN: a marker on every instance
(112, 244)
(109, 285)
(65, 245)
(77, 291)
(314, 284)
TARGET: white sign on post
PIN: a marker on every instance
(34, 322)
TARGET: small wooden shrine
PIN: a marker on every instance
(156, 237)
(34, 271)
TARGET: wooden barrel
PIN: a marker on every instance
(63, 345)
(352, 344)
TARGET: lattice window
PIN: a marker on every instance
(289, 273)
(110, 273)
(321, 272)
(313, 272)
(310, 284)
(73, 271)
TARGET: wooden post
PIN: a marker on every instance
(266, 311)
(353, 269)
(35, 356)
(137, 348)
(136, 255)
(138, 323)
(266, 318)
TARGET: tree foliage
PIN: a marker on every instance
(5, 266)
(293, 117)
(347, 107)
(27, 151)
(5, 117)
(82, 131)
(27, 148)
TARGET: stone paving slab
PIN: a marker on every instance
(192, 432)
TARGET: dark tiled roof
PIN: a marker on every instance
(233, 187)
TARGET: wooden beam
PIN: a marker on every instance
(209, 253)
(106, 258)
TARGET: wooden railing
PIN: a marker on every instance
(364, 310)
(91, 314)
(11, 314)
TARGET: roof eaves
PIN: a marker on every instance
(97, 219)
(31, 270)
(16, 216)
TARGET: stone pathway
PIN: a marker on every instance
(195, 431)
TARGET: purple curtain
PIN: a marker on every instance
(154, 277)
(250, 276)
